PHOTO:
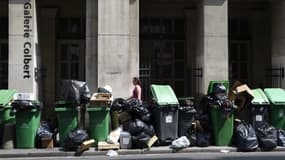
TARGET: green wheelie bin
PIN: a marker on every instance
(67, 118)
(6, 97)
(7, 121)
(259, 108)
(222, 123)
(277, 98)
(165, 112)
(27, 116)
(222, 126)
(99, 118)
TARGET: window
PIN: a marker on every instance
(239, 49)
(4, 27)
(162, 50)
(3, 64)
(70, 58)
(70, 28)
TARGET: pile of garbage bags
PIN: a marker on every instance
(265, 137)
(139, 125)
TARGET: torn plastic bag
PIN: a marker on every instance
(179, 143)
(281, 137)
(44, 131)
(267, 137)
(245, 137)
(75, 138)
(75, 92)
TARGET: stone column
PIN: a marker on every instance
(91, 51)
(22, 46)
(112, 56)
(213, 39)
(278, 39)
(48, 49)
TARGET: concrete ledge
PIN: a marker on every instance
(56, 152)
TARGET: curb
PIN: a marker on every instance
(56, 152)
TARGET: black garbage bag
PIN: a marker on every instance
(103, 90)
(245, 137)
(140, 140)
(132, 103)
(219, 88)
(267, 137)
(136, 126)
(75, 139)
(119, 104)
(203, 139)
(140, 131)
(191, 135)
(75, 92)
(44, 131)
(226, 106)
(140, 112)
(20, 105)
(281, 137)
(204, 104)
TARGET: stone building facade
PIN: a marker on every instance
(184, 43)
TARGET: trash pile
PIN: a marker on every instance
(236, 116)
(137, 122)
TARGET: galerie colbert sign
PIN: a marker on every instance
(23, 39)
(28, 29)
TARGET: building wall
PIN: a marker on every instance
(49, 13)
(258, 15)
(170, 10)
(114, 25)
(213, 56)
(278, 40)
(117, 53)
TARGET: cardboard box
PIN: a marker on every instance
(47, 142)
(241, 94)
(100, 100)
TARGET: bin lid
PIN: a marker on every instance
(64, 109)
(97, 109)
(211, 85)
(275, 95)
(6, 96)
(163, 95)
(259, 97)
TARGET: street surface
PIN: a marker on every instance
(179, 156)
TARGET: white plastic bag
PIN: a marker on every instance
(181, 142)
(114, 136)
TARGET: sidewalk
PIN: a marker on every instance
(56, 152)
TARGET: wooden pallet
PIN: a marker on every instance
(107, 146)
(85, 145)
